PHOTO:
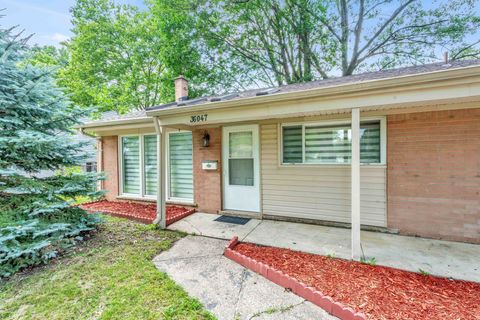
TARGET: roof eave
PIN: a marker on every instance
(113, 122)
(348, 88)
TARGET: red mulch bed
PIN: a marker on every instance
(379, 292)
(137, 211)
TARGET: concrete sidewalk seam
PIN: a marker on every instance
(242, 285)
(189, 258)
(243, 239)
(189, 223)
(280, 309)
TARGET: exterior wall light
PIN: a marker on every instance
(206, 139)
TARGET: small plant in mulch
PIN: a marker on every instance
(378, 292)
(370, 261)
(423, 272)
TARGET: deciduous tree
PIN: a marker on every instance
(288, 41)
(123, 58)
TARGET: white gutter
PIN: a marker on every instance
(82, 131)
(114, 122)
(340, 89)
(328, 91)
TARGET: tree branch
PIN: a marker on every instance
(394, 15)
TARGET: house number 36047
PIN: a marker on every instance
(198, 118)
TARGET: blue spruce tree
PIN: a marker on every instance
(37, 215)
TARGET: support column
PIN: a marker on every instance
(355, 182)
(161, 174)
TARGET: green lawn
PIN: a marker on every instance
(110, 276)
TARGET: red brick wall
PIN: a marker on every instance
(434, 174)
(110, 166)
(207, 184)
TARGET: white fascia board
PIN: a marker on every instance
(114, 122)
(330, 91)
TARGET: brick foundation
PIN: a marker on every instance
(207, 184)
(434, 174)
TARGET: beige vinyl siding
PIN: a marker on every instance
(320, 192)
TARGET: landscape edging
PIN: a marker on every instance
(179, 216)
(276, 276)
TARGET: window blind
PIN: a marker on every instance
(181, 167)
(131, 165)
(370, 145)
(330, 144)
(292, 144)
(327, 144)
(150, 164)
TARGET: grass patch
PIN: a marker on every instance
(110, 276)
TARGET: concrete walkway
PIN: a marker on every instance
(228, 290)
(442, 258)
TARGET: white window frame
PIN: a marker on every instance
(383, 141)
(167, 187)
(142, 194)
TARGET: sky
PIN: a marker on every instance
(47, 20)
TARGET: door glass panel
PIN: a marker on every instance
(240, 144)
(241, 172)
(241, 162)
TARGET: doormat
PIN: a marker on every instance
(234, 220)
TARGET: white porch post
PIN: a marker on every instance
(355, 181)
(161, 174)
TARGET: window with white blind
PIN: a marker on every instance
(138, 161)
(180, 161)
(150, 164)
(331, 143)
(131, 165)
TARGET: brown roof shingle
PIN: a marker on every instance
(368, 76)
(362, 77)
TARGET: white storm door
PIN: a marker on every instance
(241, 168)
